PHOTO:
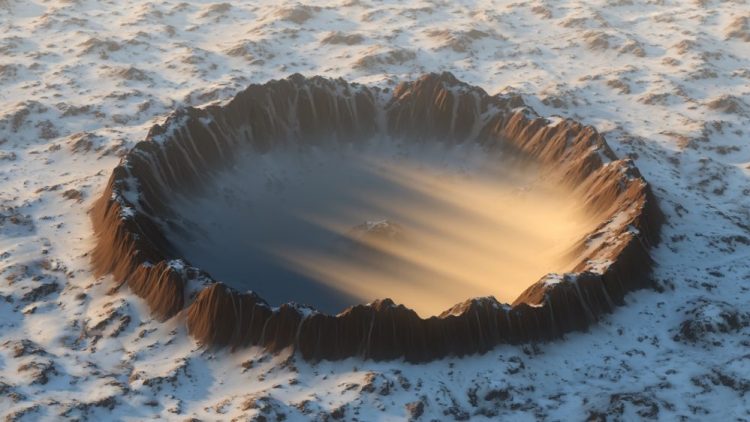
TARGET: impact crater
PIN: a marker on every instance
(302, 211)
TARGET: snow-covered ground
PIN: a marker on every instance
(667, 81)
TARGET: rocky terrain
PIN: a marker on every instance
(666, 82)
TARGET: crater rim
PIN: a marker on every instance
(131, 247)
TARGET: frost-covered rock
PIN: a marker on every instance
(709, 322)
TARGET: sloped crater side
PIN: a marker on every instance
(193, 143)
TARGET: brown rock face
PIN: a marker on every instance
(613, 260)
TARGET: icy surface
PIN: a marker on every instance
(666, 81)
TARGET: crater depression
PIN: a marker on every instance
(302, 211)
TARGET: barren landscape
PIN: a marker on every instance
(82, 82)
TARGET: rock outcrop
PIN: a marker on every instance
(177, 156)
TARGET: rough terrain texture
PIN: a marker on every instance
(82, 82)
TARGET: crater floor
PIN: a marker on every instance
(473, 222)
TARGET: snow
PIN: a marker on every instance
(81, 82)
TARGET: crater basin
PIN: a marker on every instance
(343, 220)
